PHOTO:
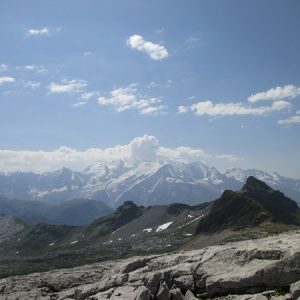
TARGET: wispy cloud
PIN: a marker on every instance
(182, 109)
(6, 79)
(67, 86)
(208, 108)
(286, 92)
(85, 98)
(128, 98)
(231, 109)
(193, 39)
(228, 157)
(37, 32)
(155, 51)
(87, 53)
(291, 120)
(4, 67)
(159, 31)
(31, 84)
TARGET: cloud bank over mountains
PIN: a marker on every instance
(146, 148)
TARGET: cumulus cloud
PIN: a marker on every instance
(67, 86)
(6, 79)
(291, 120)
(146, 147)
(155, 51)
(230, 109)
(286, 92)
(128, 98)
(38, 32)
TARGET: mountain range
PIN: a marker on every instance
(256, 210)
(144, 182)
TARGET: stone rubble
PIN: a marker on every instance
(262, 269)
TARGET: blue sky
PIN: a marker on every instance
(220, 76)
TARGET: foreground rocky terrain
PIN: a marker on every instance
(266, 268)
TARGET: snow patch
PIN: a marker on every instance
(147, 230)
(163, 226)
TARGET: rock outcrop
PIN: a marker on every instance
(266, 268)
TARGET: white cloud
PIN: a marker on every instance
(145, 148)
(4, 67)
(128, 98)
(29, 67)
(36, 68)
(67, 86)
(228, 157)
(169, 83)
(155, 51)
(182, 109)
(6, 79)
(183, 154)
(153, 110)
(37, 32)
(78, 104)
(230, 109)
(291, 120)
(286, 92)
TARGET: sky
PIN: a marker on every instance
(200, 79)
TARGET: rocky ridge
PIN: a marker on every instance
(266, 268)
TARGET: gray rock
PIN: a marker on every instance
(133, 265)
(142, 293)
(163, 293)
(235, 271)
(189, 296)
(176, 294)
(152, 283)
(295, 289)
(284, 297)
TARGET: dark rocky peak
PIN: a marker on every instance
(253, 184)
(281, 207)
(127, 206)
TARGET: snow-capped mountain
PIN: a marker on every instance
(144, 182)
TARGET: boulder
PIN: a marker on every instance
(295, 289)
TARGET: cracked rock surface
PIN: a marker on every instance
(266, 268)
